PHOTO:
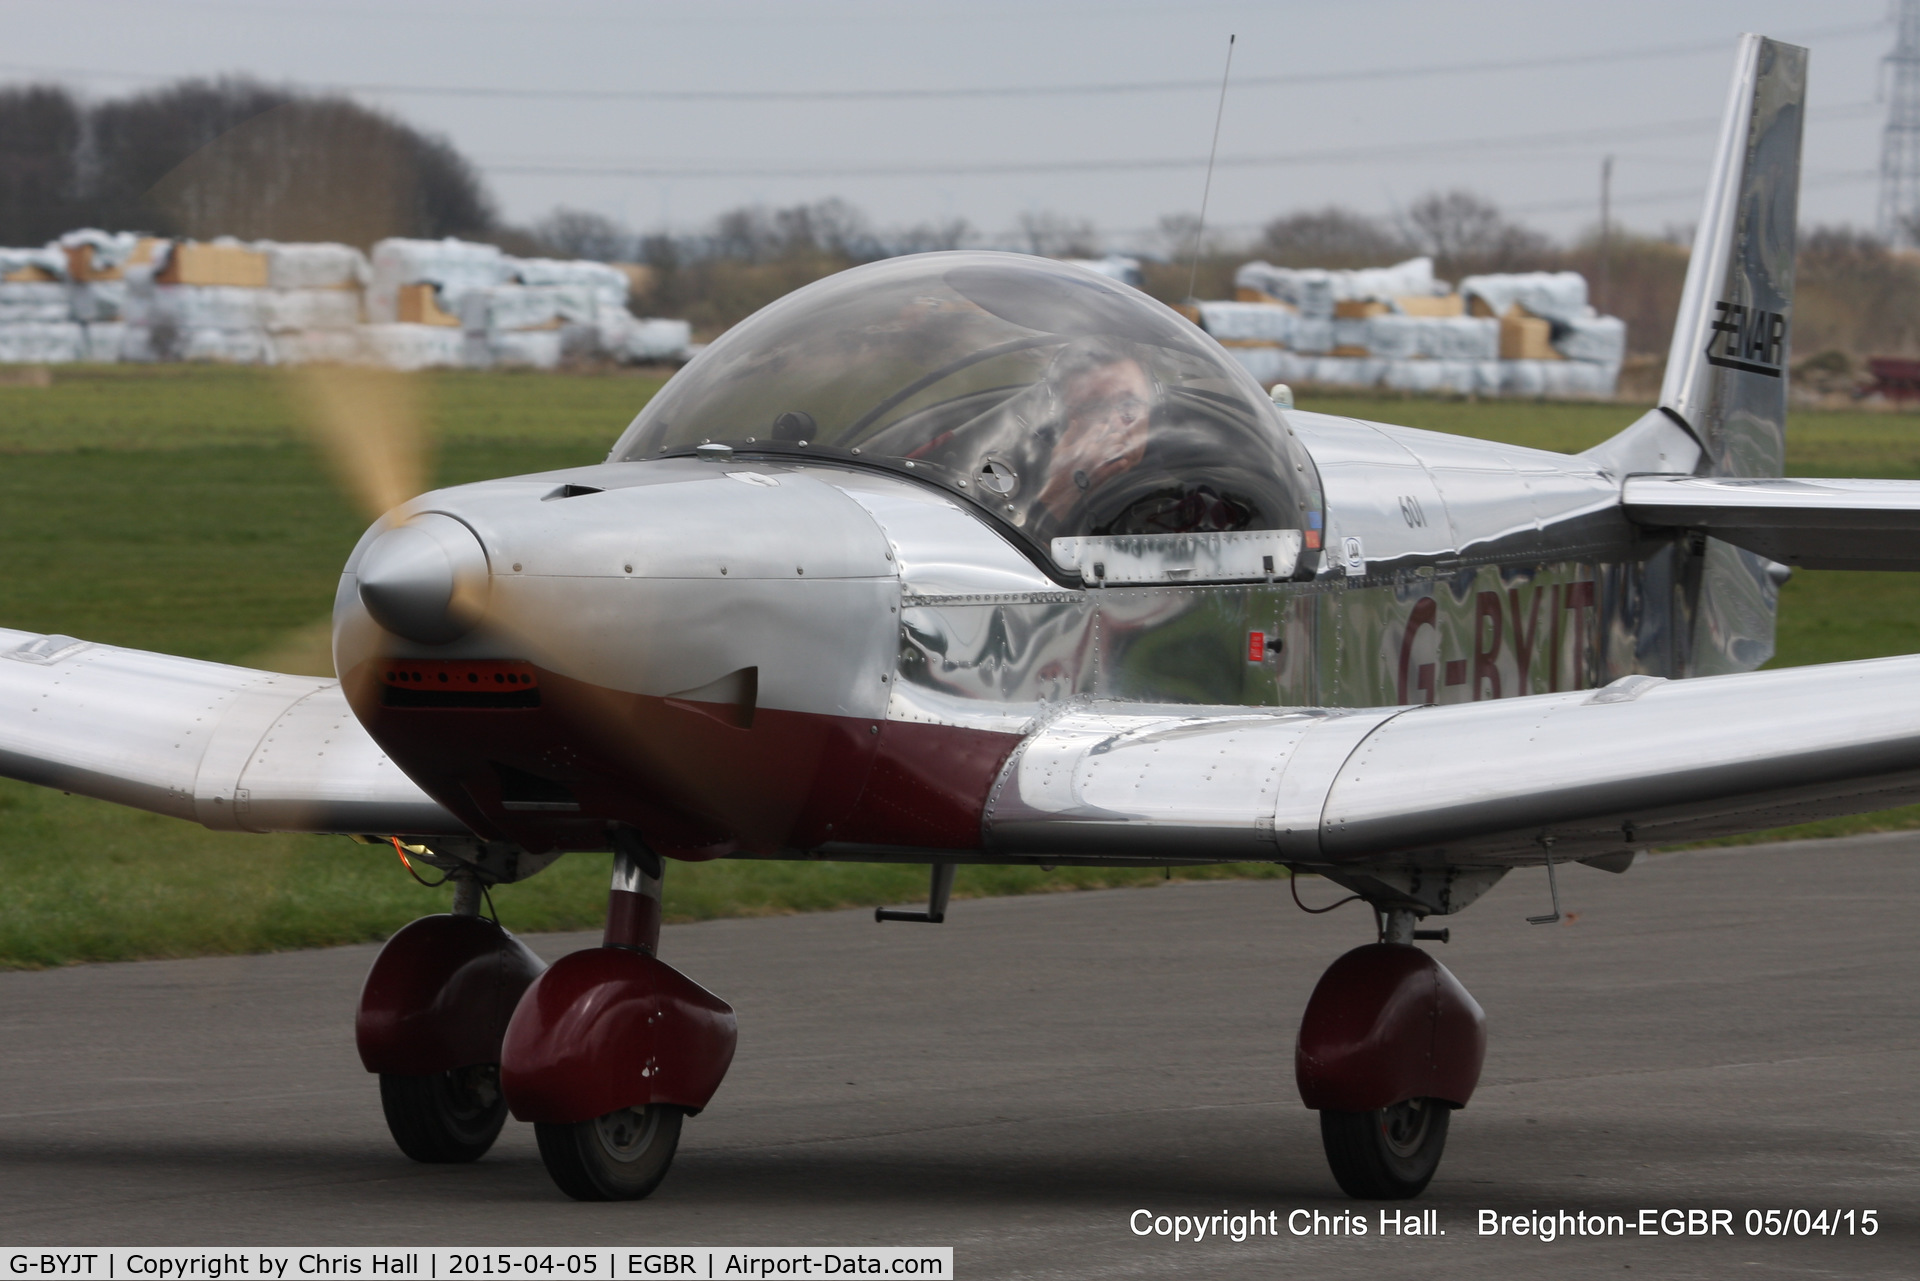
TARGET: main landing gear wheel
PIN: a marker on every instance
(1389, 1154)
(621, 1156)
(447, 1117)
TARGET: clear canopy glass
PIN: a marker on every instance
(1059, 401)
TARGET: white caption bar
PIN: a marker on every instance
(523, 1263)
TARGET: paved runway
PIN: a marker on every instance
(1730, 1029)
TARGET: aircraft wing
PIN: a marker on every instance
(227, 747)
(1595, 772)
(1821, 524)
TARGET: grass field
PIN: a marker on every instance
(181, 509)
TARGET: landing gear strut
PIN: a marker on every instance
(1390, 1045)
(621, 1155)
(611, 1048)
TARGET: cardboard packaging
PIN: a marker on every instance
(194, 263)
(1440, 307)
(419, 304)
(1524, 337)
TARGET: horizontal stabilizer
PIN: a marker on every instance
(227, 747)
(1819, 524)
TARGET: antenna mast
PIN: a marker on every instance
(1900, 145)
(1207, 190)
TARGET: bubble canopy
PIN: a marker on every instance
(1062, 403)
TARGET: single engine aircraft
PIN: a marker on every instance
(979, 558)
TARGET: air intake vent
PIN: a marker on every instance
(458, 683)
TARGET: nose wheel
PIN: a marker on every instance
(611, 1049)
(621, 1156)
(1388, 1154)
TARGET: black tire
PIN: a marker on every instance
(445, 1118)
(1388, 1155)
(621, 1156)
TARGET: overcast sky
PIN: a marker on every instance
(1510, 98)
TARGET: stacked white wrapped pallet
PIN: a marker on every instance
(1249, 323)
(1576, 331)
(96, 295)
(554, 310)
(451, 267)
(1316, 290)
(654, 340)
(617, 333)
(311, 306)
(414, 300)
(1551, 295)
(1398, 337)
(1529, 334)
(198, 301)
(408, 347)
(36, 324)
(527, 326)
(97, 265)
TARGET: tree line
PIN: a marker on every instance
(204, 158)
(233, 157)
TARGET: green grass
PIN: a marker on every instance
(88, 881)
(181, 509)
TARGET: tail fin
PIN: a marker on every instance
(1726, 379)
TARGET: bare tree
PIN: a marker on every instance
(233, 157)
(927, 237)
(1467, 234)
(1853, 294)
(40, 135)
(1056, 236)
(577, 233)
(832, 227)
(1177, 236)
(1331, 237)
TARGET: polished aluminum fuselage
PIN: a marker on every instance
(899, 648)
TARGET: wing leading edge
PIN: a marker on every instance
(227, 747)
(1506, 782)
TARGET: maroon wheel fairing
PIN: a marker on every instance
(612, 1028)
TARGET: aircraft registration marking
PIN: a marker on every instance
(1506, 640)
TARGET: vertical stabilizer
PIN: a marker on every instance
(1727, 370)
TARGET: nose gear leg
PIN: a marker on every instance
(612, 1049)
